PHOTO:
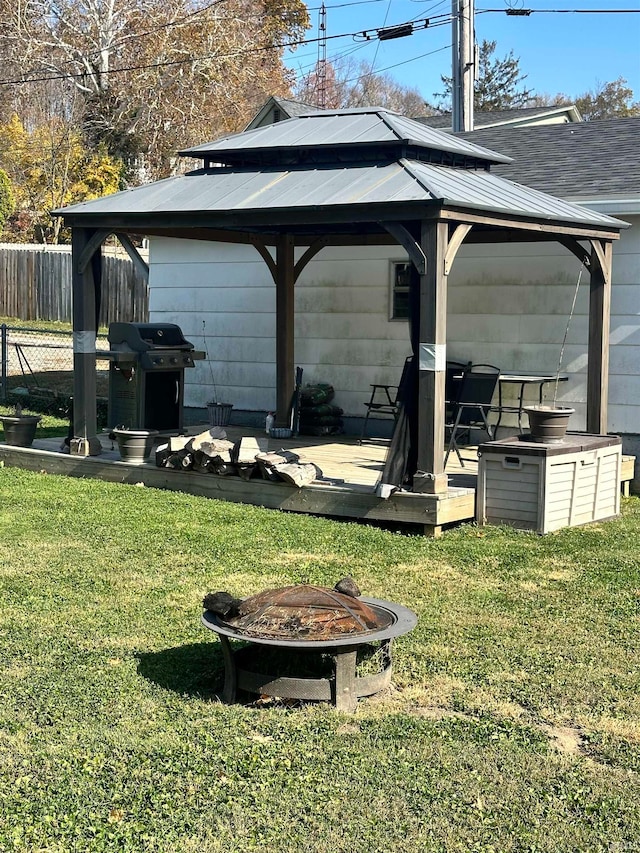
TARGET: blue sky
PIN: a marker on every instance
(559, 52)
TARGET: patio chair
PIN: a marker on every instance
(452, 385)
(383, 401)
(473, 404)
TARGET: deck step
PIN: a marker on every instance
(626, 473)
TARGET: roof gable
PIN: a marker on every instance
(522, 117)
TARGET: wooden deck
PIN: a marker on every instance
(347, 488)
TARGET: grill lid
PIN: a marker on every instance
(141, 337)
(303, 611)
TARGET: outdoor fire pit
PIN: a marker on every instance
(300, 623)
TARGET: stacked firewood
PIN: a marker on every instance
(212, 453)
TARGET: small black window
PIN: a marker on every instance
(400, 277)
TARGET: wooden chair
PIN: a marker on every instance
(473, 404)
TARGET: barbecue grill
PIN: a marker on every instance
(146, 375)
(307, 619)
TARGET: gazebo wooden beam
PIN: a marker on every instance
(285, 318)
(430, 476)
(217, 235)
(599, 320)
(86, 283)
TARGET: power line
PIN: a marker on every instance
(518, 11)
(360, 34)
(368, 35)
(404, 62)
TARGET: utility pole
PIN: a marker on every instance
(463, 63)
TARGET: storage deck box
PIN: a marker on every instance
(545, 487)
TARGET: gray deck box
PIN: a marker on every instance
(545, 487)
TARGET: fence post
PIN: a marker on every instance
(5, 363)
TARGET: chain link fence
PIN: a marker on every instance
(37, 368)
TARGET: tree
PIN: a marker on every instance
(608, 100)
(349, 84)
(157, 75)
(497, 83)
(49, 167)
(7, 202)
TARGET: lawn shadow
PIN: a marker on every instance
(193, 670)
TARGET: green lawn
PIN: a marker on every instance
(512, 724)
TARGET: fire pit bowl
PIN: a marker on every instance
(343, 687)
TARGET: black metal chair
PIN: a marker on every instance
(383, 401)
(471, 408)
(454, 372)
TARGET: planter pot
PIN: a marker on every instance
(219, 413)
(548, 424)
(135, 445)
(20, 430)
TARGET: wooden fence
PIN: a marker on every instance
(35, 284)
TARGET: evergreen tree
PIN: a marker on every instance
(497, 84)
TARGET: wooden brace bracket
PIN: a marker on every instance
(408, 243)
(138, 261)
(457, 238)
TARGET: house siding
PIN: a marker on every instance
(507, 305)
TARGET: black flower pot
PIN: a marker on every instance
(135, 445)
(20, 430)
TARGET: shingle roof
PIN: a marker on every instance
(486, 118)
(586, 159)
(294, 108)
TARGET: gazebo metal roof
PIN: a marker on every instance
(369, 126)
(364, 173)
(216, 193)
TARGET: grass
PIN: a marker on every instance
(43, 325)
(512, 723)
(50, 426)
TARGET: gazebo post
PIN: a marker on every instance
(86, 284)
(599, 321)
(285, 319)
(430, 476)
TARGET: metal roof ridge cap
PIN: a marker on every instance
(406, 165)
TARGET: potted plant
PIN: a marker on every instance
(135, 445)
(219, 413)
(19, 429)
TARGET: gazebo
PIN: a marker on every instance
(344, 178)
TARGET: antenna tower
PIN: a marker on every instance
(321, 66)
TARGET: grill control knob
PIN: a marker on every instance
(173, 360)
(187, 360)
(158, 360)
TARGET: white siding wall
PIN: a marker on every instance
(508, 305)
(223, 298)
